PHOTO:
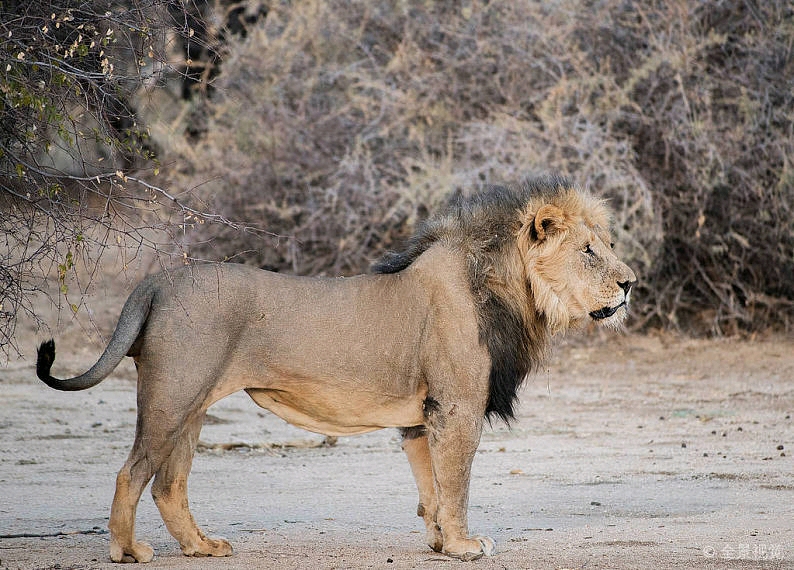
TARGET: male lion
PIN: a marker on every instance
(436, 341)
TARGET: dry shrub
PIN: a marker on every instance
(713, 87)
(338, 124)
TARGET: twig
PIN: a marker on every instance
(53, 534)
(268, 446)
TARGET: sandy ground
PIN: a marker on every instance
(629, 452)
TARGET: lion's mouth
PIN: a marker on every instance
(606, 312)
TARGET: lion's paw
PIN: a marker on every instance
(488, 545)
(471, 548)
(209, 547)
(136, 552)
(435, 539)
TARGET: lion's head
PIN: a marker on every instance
(540, 260)
(566, 249)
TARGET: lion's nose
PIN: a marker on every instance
(626, 285)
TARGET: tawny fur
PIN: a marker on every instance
(438, 340)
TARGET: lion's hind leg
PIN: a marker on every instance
(155, 438)
(170, 416)
(169, 491)
(418, 452)
(130, 482)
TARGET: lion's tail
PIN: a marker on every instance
(131, 322)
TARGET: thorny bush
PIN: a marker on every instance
(73, 78)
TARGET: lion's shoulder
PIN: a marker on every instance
(481, 229)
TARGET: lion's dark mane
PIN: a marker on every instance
(482, 226)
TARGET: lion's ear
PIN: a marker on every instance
(549, 219)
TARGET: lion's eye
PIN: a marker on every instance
(612, 245)
(588, 250)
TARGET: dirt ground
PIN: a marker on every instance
(629, 452)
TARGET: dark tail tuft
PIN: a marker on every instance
(44, 360)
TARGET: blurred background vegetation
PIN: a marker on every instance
(310, 136)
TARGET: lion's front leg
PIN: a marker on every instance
(453, 437)
(418, 452)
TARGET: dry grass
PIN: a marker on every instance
(339, 124)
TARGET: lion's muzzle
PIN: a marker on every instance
(606, 312)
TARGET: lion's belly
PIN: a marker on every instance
(340, 413)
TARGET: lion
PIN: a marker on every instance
(435, 341)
